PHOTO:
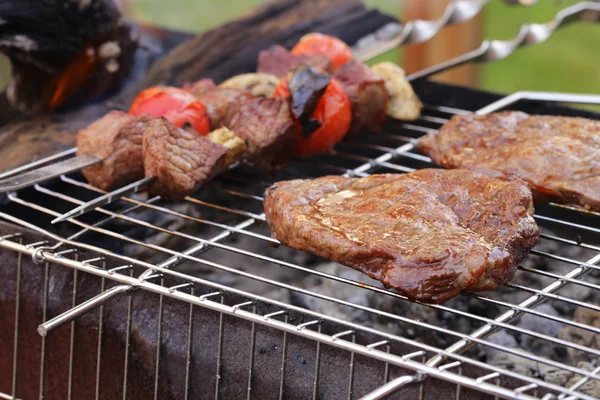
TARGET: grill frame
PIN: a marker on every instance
(435, 367)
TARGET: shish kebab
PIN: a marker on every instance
(323, 108)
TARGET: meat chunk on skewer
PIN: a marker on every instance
(216, 99)
(116, 138)
(367, 94)
(180, 160)
(278, 61)
(429, 234)
(268, 129)
(558, 156)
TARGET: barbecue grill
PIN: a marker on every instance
(145, 298)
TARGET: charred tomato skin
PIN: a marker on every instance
(176, 105)
(318, 43)
(332, 114)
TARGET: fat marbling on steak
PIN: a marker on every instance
(180, 160)
(558, 156)
(116, 138)
(428, 234)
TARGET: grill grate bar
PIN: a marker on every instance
(269, 259)
(486, 320)
(385, 160)
(147, 204)
(392, 316)
(17, 318)
(159, 289)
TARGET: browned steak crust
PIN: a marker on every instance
(429, 234)
(558, 156)
(268, 129)
(180, 160)
(367, 95)
(117, 139)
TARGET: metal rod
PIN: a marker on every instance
(79, 310)
(390, 387)
(38, 163)
(529, 34)
(400, 361)
(532, 301)
(496, 324)
(44, 316)
(283, 360)
(417, 31)
(190, 344)
(106, 199)
(127, 341)
(44, 173)
(100, 331)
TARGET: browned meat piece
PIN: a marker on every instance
(367, 94)
(278, 61)
(116, 138)
(558, 156)
(200, 87)
(216, 99)
(429, 234)
(268, 129)
(180, 160)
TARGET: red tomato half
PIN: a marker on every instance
(332, 112)
(316, 43)
(176, 105)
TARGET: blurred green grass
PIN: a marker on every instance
(568, 62)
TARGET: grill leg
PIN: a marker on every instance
(17, 313)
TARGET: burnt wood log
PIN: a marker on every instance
(219, 53)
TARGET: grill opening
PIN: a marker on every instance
(535, 337)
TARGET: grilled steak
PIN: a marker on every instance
(117, 139)
(278, 61)
(429, 234)
(180, 160)
(216, 99)
(367, 94)
(558, 156)
(267, 127)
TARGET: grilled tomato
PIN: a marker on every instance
(327, 124)
(316, 43)
(176, 105)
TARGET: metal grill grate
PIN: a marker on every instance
(224, 221)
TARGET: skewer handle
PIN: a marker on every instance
(417, 31)
(529, 34)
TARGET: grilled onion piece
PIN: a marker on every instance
(259, 84)
(403, 103)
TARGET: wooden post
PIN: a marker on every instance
(448, 43)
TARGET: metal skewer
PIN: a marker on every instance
(488, 51)
(372, 45)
